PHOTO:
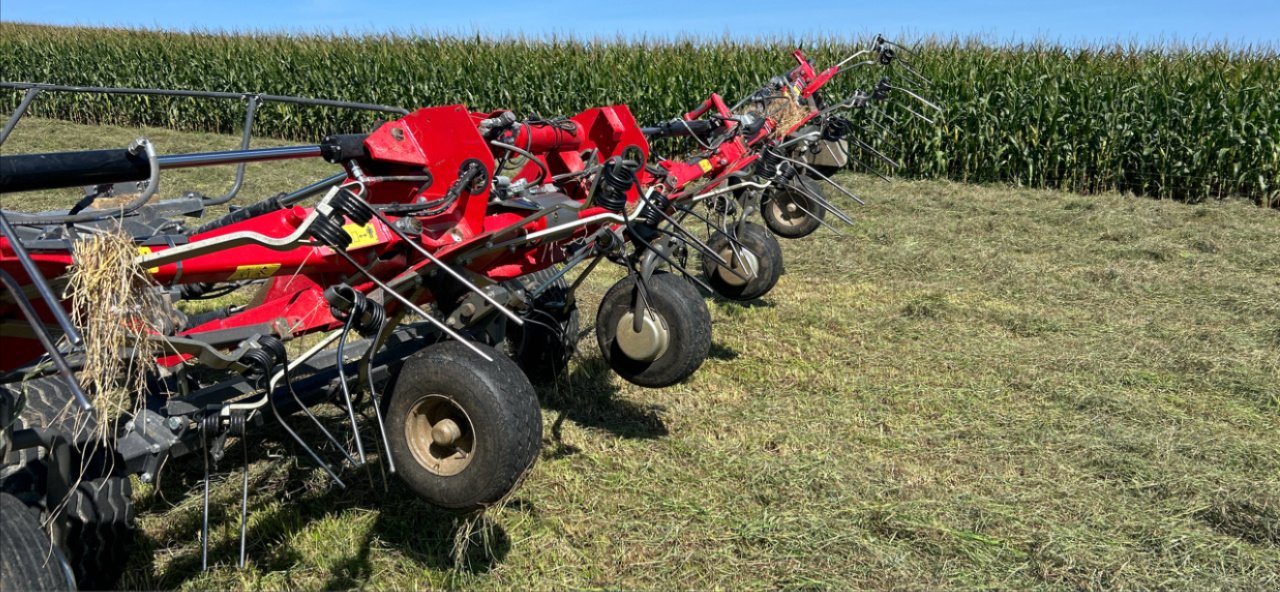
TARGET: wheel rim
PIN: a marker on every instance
(440, 435)
(787, 209)
(647, 344)
(742, 261)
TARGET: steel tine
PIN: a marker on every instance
(346, 391)
(376, 398)
(672, 262)
(307, 411)
(865, 146)
(833, 209)
(819, 220)
(917, 97)
(920, 115)
(697, 243)
(689, 239)
(449, 270)
(414, 307)
(846, 154)
(702, 247)
(885, 131)
(864, 165)
(822, 202)
(271, 400)
(244, 498)
(705, 249)
(204, 527)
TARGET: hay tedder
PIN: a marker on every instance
(424, 286)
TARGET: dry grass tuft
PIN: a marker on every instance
(115, 305)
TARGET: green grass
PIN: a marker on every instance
(975, 387)
(1189, 122)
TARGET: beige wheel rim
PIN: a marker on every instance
(440, 435)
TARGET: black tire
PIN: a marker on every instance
(99, 510)
(543, 346)
(763, 255)
(827, 170)
(679, 309)
(28, 561)
(497, 403)
(791, 214)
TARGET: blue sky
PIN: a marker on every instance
(1069, 21)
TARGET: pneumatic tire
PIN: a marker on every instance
(679, 311)
(790, 213)
(543, 346)
(463, 431)
(28, 561)
(759, 259)
(99, 510)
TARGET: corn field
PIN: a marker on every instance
(1180, 122)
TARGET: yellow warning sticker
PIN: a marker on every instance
(705, 165)
(254, 272)
(361, 235)
(147, 251)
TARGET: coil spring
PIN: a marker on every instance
(328, 229)
(656, 205)
(886, 56)
(260, 360)
(211, 423)
(237, 423)
(881, 91)
(346, 302)
(836, 128)
(352, 206)
(330, 233)
(767, 164)
(616, 178)
(723, 204)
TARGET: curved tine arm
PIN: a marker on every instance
(280, 374)
(366, 374)
(921, 78)
(236, 239)
(714, 192)
(42, 286)
(823, 202)
(802, 137)
(654, 251)
(853, 56)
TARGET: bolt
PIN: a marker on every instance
(145, 477)
(173, 423)
(467, 310)
(155, 448)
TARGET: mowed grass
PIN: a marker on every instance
(973, 387)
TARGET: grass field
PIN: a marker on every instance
(974, 387)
